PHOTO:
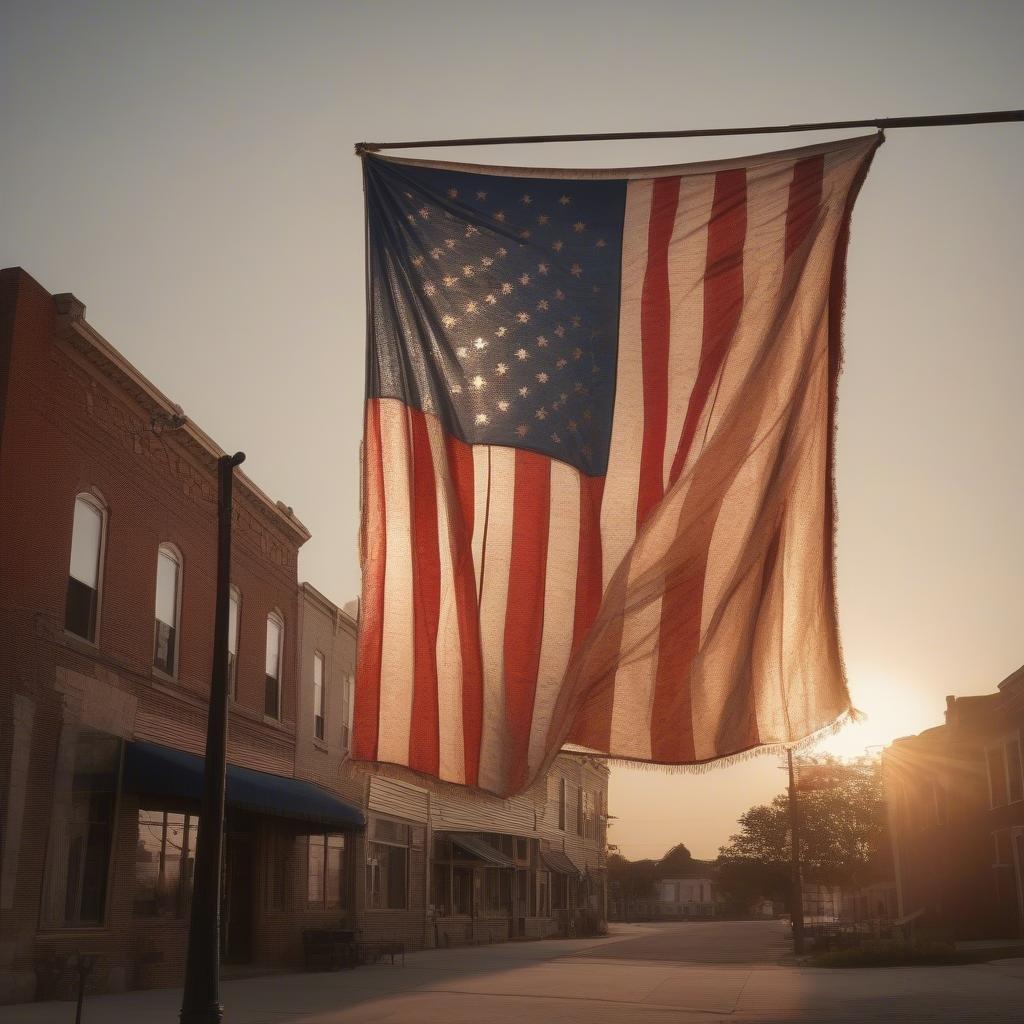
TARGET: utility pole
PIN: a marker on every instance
(797, 898)
(200, 1002)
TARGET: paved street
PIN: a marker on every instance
(643, 973)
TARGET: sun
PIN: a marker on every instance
(892, 705)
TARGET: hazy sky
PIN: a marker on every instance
(186, 170)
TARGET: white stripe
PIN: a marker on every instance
(622, 484)
(396, 669)
(452, 765)
(687, 263)
(495, 564)
(559, 602)
(481, 482)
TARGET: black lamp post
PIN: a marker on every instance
(200, 1003)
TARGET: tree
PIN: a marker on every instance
(843, 834)
(677, 863)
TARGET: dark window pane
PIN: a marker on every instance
(163, 655)
(997, 776)
(80, 610)
(270, 701)
(1013, 769)
(396, 877)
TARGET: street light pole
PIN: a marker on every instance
(797, 898)
(200, 1002)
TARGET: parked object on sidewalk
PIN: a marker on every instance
(327, 949)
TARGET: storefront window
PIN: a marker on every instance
(387, 866)
(164, 863)
(326, 874)
(81, 833)
(462, 891)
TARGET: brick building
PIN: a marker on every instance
(107, 548)
(955, 796)
(442, 866)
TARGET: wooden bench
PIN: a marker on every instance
(329, 949)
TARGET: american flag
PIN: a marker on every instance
(597, 463)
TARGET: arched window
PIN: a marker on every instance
(82, 602)
(275, 651)
(234, 614)
(168, 609)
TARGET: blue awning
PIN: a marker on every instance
(155, 770)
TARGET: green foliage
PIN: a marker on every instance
(843, 836)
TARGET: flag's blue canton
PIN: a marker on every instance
(495, 305)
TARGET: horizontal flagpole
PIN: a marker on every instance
(928, 121)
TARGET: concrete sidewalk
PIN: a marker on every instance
(577, 981)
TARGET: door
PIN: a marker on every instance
(236, 899)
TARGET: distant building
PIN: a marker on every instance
(685, 897)
(955, 796)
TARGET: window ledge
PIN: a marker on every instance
(74, 640)
(321, 745)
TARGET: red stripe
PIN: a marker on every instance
(593, 725)
(424, 732)
(723, 297)
(460, 521)
(804, 200)
(371, 619)
(655, 320)
(671, 717)
(524, 616)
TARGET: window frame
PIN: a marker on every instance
(274, 616)
(320, 697)
(185, 885)
(348, 700)
(1001, 748)
(563, 799)
(97, 501)
(323, 841)
(372, 839)
(174, 552)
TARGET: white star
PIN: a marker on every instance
(486, 261)
(523, 318)
(435, 254)
(543, 219)
(506, 288)
(572, 426)
(467, 271)
(449, 321)
(450, 281)
(542, 268)
(480, 344)
(456, 389)
(560, 364)
(502, 253)
(450, 242)
(559, 294)
(542, 377)
(524, 279)
(481, 195)
(565, 200)
(576, 270)
(429, 288)
(453, 193)
(522, 355)
(526, 200)
(542, 305)
(600, 243)
(471, 230)
(478, 382)
(417, 261)
(557, 246)
(482, 418)
(490, 300)
(470, 307)
(501, 369)
(522, 429)
(576, 320)
(524, 233)
(523, 392)
(577, 352)
(500, 216)
(541, 413)
(560, 330)
(542, 342)
(501, 331)
(579, 227)
(556, 438)
(462, 352)
(503, 405)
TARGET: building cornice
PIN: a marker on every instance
(105, 359)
